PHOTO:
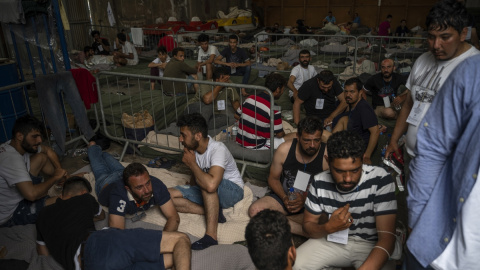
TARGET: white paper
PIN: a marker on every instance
(319, 103)
(340, 237)
(301, 181)
(386, 101)
(417, 112)
(233, 70)
(100, 48)
(221, 105)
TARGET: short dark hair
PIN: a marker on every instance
(203, 38)
(274, 81)
(26, 124)
(389, 16)
(87, 48)
(219, 71)
(325, 76)
(233, 37)
(356, 81)
(447, 13)
(177, 49)
(403, 21)
(345, 144)
(268, 240)
(161, 49)
(133, 169)
(122, 37)
(75, 185)
(309, 125)
(95, 32)
(304, 51)
(195, 123)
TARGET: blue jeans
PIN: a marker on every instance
(229, 193)
(243, 71)
(106, 168)
(49, 88)
(124, 249)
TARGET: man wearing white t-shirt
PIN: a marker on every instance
(446, 40)
(206, 56)
(216, 182)
(301, 73)
(128, 55)
(158, 65)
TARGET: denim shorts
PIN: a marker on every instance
(229, 193)
(124, 249)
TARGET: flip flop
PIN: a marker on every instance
(382, 128)
(161, 162)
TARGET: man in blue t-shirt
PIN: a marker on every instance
(236, 59)
(129, 190)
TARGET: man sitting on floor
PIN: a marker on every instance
(294, 161)
(350, 211)
(254, 123)
(216, 182)
(236, 59)
(22, 162)
(300, 74)
(66, 230)
(270, 242)
(129, 190)
(177, 68)
(206, 56)
(158, 65)
(128, 55)
(384, 87)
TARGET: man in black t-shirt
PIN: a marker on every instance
(100, 45)
(66, 231)
(384, 88)
(237, 60)
(321, 96)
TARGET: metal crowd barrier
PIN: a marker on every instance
(128, 94)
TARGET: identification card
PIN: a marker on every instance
(233, 70)
(386, 101)
(301, 181)
(100, 48)
(417, 113)
(319, 103)
(340, 237)
(221, 105)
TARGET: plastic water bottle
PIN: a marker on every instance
(223, 136)
(234, 131)
(291, 194)
(397, 107)
(384, 148)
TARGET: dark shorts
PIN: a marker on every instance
(124, 249)
(279, 200)
(27, 211)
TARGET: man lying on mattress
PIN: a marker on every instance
(129, 190)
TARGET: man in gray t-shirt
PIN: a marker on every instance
(22, 160)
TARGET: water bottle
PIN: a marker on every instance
(223, 136)
(291, 194)
(234, 131)
(397, 107)
(228, 136)
(384, 148)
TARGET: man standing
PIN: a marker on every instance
(384, 87)
(270, 242)
(216, 182)
(66, 231)
(301, 73)
(177, 68)
(206, 56)
(384, 27)
(22, 162)
(294, 161)
(128, 55)
(350, 211)
(100, 45)
(236, 59)
(319, 96)
(254, 123)
(361, 118)
(446, 24)
(444, 188)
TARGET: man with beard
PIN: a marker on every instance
(361, 118)
(129, 190)
(384, 87)
(301, 73)
(216, 182)
(254, 123)
(350, 211)
(236, 59)
(300, 157)
(23, 161)
(322, 96)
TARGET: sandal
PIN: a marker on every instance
(382, 128)
(161, 162)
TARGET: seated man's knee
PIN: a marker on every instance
(37, 162)
(389, 113)
(254, 209)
